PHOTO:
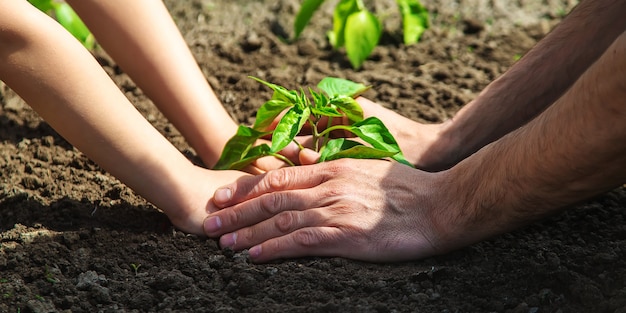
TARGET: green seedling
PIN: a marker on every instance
(66, 16)
(135, 267)
(50, 276)
(359, 30)
(336, 100)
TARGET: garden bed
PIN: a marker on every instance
(74, 239)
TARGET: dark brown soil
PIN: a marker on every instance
(74, 239)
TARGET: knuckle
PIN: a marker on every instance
(307, 237)
(286, 221)
(246, 236)
(277, 180)
(271, 203)
(234, 217)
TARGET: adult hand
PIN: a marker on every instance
(369, 210)
(424, 145)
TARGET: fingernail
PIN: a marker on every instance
(255, 251)
(228, 240)
(212, 224)
(223, 195)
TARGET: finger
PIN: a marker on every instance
(311, 241)
(265, 164)
(277, 225)
(288, 178)
(261, 209)
(308, 156)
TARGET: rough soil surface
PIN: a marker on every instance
(74, 239)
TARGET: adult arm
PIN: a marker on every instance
(380, 211)
(56, 76)
(516, 97)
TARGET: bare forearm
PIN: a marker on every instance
(54, 74)
(539, 78)
(143, 39)
(572, 151)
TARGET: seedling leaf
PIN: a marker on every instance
(288, 127)
(334, 87)
(43, 5)
(373, 131)
(340, 16)
(362, 33)
(268, 112)
(66, 16)
(414, 19)
(238, 146)
(349, 107)
(304, 15)
(280, 92)
(326, 111)
(345, 148)
(253, 154)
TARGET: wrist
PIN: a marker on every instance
(477, 209)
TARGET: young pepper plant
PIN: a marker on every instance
(65, 15)
(336, 100)
(358, 30)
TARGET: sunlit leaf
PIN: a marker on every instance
(268, 112)
(326, 111)
(414, 20)
(362, 33)
(304, 15)
(66, 16)
(280, 92)
(349, 107)
(334, 87)
(345, 148)
(288, 127)
(340, 16)
(253, 154)
(43, 5)
(373, 131)
(238, 146)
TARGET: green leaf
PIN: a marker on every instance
(238, 146)
(334, 87)
(43, 5)
(280, 92)
(66, 16)
(304, 15)
(320, 99)
(288, 127)
(373, 131)
(340, 17)
(414, 20)
(253, 154)
(326, 111)
(362, 33)
(349, 107)
(345, 148)
(268, 112)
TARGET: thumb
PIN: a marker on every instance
(308, 156)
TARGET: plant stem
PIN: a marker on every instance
(336, 127)
(283, 158)
(316, 136)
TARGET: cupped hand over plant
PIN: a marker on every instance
(369, 210)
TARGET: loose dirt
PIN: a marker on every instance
(74, 239)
